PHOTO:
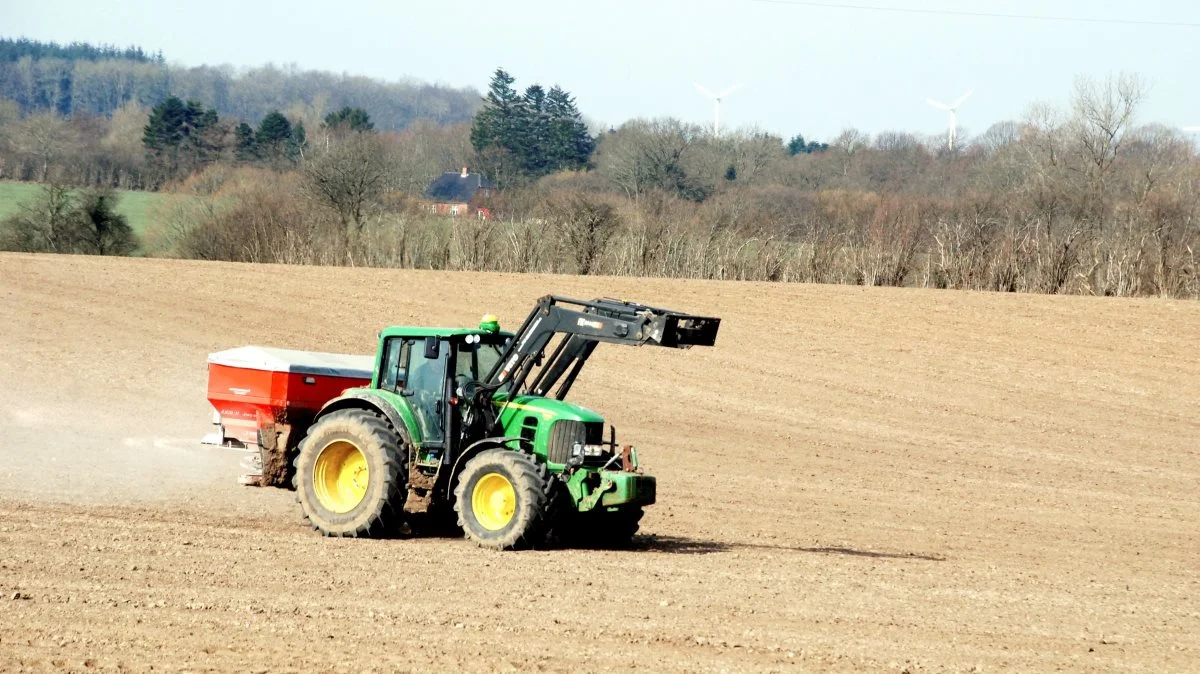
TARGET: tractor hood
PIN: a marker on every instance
(546, 409)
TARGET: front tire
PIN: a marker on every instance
(350, 475)
(502, 500)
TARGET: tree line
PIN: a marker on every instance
(1083, 200)
(15, 49)
(81, 79)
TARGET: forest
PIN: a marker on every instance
(81, 80)
(1088, 199)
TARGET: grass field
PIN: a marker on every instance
(135, 206)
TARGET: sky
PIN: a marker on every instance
(813, 70)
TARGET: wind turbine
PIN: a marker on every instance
(953, 110)
(716, 98)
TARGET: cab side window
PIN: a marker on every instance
(395, 358)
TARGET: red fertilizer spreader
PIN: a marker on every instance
(265, 398)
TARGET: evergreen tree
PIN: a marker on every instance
(540, 131)
(497, 124)
(244, 148)
(202, 135)
(532, 141)
(571, 144)
(64, 104)
(164, 130)
(274, 136)
(104, 231)
(797, 145)
(273, 130)
(352, 119)
(180, 136)
(13, 50)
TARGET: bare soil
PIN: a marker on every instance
(852, 479)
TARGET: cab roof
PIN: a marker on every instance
(410, 331)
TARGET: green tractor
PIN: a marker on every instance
(471, 425)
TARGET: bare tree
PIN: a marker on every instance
(10, 114)
(998, 136)
(896, 141)
(1155, 156)
(46, 137)
(349, 178)
(846, 145)
(744, 158)
(587, 225)
(48, 223)
(1103, 113)
(422, 152)
(652, 155)
(123, 143)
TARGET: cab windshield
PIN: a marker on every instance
(477, 359)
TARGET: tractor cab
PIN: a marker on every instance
(429, 368)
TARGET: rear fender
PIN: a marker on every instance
(370, 402)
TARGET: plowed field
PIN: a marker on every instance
(852, 479)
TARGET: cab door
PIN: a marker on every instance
(426, 389)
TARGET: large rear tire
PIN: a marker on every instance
(502, 500)
(350, 475)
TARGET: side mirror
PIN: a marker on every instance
(433, 347)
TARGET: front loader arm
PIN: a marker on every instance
(583, 325)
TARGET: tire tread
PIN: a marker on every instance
(385, 515)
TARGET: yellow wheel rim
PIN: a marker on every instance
(493, 501)
(340, 477)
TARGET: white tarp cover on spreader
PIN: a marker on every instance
(302, 362)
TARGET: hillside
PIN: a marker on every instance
(96, 80)
(852, 479)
